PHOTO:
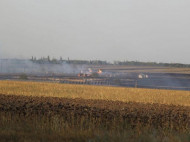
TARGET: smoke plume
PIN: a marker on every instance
(12, 66)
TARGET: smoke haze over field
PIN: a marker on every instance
(148, 30)
(28, 67)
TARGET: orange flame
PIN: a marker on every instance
(99, 71)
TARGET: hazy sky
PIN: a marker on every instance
(144, 30)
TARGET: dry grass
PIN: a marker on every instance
(24, 118)
(95, 92)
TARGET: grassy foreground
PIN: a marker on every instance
(15, 128)
(25, 119)
(35, 111)
(95, 92)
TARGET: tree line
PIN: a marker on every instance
(48, 60)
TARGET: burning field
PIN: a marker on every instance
(134, 77)
(62, 112)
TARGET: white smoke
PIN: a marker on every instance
(28, 67)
